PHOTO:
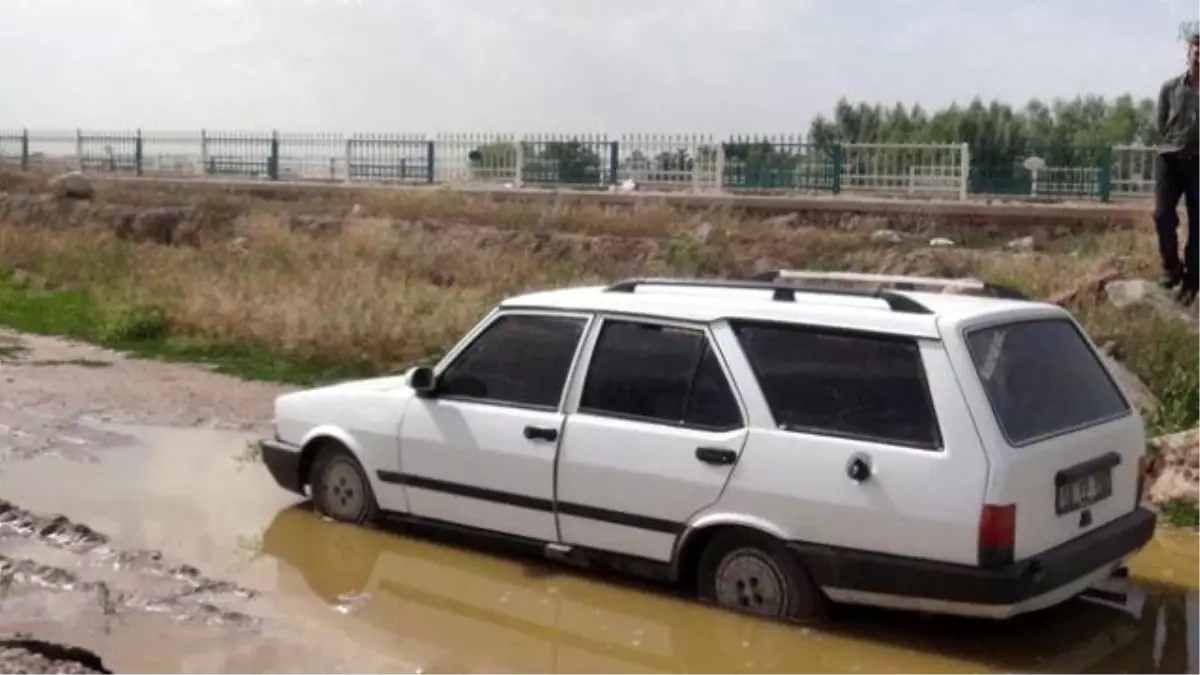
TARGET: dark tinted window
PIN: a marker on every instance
(712, 403)
(658, 373)
(517, 359)
(1042, 379)
(860, 386)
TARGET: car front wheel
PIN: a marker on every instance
(340, 488)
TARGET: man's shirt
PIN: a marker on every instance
(1177, 115)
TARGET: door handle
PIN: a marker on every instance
(541, 433)
(718, 456)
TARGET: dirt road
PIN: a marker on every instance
(134, 524)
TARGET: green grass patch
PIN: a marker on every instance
(1180, 513)
(146, 331)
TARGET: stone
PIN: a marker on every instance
(941, 242)
(702, 232)
(1126, 293)
(886, 236)
(1022, 244)
(1171, 473)
(73, 185)
(788, 220)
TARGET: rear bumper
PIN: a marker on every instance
(1027, 585)
(283, 463)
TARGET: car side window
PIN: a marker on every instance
(869, 387)
(519, 359)
(658, 373)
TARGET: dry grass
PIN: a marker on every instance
(387, 292)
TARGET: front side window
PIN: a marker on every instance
(518, 359)
(659, 374)
(853, 385)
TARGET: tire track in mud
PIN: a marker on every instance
(189, 595)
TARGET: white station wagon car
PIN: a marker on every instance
(775, 443)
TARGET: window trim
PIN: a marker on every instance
(586, 360)
(493, 317)
(1093, 352)
(938, 443)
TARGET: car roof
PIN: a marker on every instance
(705, 304)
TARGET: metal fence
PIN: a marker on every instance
(767, 164)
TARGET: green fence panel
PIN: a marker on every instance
(771, 164)
(243, 154)
(389, 158)
(14, 148)
(1051, 171)
(576, 161)
(116, 152)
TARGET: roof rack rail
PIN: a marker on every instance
(896, 281)
(782, 292)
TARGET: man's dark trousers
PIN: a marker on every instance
(1178, 177)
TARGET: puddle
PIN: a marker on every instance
(457, 610)
(364, 600)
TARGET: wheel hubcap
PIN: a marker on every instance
(345, 493)
(748, 582)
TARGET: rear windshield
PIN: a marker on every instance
(1043, 379)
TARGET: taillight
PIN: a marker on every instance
(997, 534)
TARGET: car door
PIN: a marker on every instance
(655, 432)
(480, 450)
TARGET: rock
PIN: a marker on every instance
(1022, 244)
(788, 220)
(702, 232)
(1126, 293)
(886, 236)
(1171, 474)
(1139, 394)
(1089, 286)
(73, 185)
(157, 225)
(941, 242)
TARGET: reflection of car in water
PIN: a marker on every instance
(446, 607)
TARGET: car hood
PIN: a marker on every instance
(373, 383)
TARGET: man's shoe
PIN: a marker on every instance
(1171, 279)
(1186, 294)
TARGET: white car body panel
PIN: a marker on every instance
(636, 488)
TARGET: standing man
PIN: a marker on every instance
(1177, 176)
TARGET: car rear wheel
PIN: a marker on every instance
(756, 574)
(340, 488)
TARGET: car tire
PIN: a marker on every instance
(756, 574)
(340, 488)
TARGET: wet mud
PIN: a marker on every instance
(160, 544)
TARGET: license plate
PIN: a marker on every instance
(1083, 492)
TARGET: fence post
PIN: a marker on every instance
(429, 160)
(519, 144)
(137, 152)
(79, 147)
(964, 185)
(839, 165)
(349, 159)
(203, 152)
(1105, 176)
(614, 160)
(273, 160)
(25, 149)
(720, 178)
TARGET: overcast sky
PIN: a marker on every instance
(557, 65)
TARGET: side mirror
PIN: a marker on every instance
(422, 380)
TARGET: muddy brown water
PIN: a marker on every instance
(298, 593)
